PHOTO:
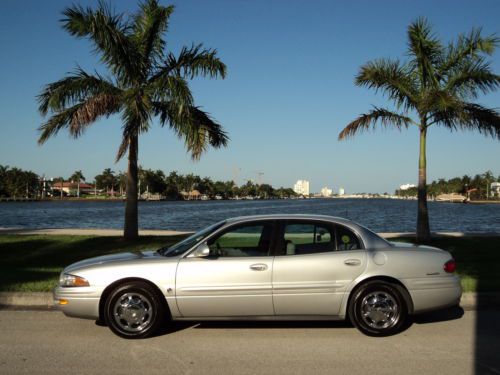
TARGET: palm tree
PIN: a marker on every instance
(78, 177)
(146, 81)
(434, 87)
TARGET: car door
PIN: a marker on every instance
(234, 280)
(315, 263)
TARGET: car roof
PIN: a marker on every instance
(288, 216)
(371, 240)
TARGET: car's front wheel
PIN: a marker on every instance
(378, 308)
(134, 310)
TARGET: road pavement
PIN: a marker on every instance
(46, 342)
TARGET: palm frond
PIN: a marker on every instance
(78, 117)
(130, 129)
(194, 61)
(194, 126)
(149, 24)
(392, 79)
(466, 48)
(173, 89)
(73, 89)
(110, 36)
(472, 79)
(438, 100)
(426, 50)
(384, 116)
(471, 116)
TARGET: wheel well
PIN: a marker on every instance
(387, 279)
(105, 294)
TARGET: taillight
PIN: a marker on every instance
(450, 266)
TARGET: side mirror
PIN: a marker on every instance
(201, 251)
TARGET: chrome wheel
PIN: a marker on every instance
(133, 312)
(379, 310)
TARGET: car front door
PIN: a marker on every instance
(315, 263)
(234, 280)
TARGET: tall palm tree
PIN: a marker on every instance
(146, 81)
(434, 87)
(78, 177)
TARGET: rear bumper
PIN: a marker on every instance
(81, 302)
(434, 293)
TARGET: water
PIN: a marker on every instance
(380, 215)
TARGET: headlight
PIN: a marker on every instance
(67, 280)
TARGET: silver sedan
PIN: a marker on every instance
(264, 267)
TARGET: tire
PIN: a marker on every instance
(378, 308)
(135, 310)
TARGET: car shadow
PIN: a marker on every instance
(451, 313)
(425, 318)
(273, 324)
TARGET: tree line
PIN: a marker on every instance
(15, 182)
(477, 187)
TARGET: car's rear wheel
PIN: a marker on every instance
(377, 308)
(134, 310)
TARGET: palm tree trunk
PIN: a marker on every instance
(131, 229)
(423, 230)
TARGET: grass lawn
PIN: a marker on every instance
(33, 263)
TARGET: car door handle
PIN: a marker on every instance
(258, 267)
(352, 262)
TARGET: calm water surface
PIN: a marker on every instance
(381, 215)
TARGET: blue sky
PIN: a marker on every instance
(289, 92)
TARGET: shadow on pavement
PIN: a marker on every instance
(487, 341)
(452, 313)
(273, 324)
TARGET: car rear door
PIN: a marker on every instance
(314, 264)
(234, 280)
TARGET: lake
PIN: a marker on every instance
(380, 215)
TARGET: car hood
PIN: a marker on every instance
(112, 258)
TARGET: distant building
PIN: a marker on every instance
(69, 187)
(495, 189)
(341, 191)
(326, 192)
(407, 186)
(301, 187)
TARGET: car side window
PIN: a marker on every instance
(245, 240)
(346, 239)
(307, 238)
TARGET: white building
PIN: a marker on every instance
(341, 191)
(301, 187)
(407, 186)
(495, 189)
(326, 192)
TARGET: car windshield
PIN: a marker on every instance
(187, 243)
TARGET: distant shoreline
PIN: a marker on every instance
(107, 232)
(94, 200)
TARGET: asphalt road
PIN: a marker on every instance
(452, 342)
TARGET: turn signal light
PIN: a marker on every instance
(63, 301)
(450, 266)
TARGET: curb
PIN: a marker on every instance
(16, 299)
(469, 301)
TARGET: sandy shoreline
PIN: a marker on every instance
(162, 232)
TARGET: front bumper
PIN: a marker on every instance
(80, 302)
